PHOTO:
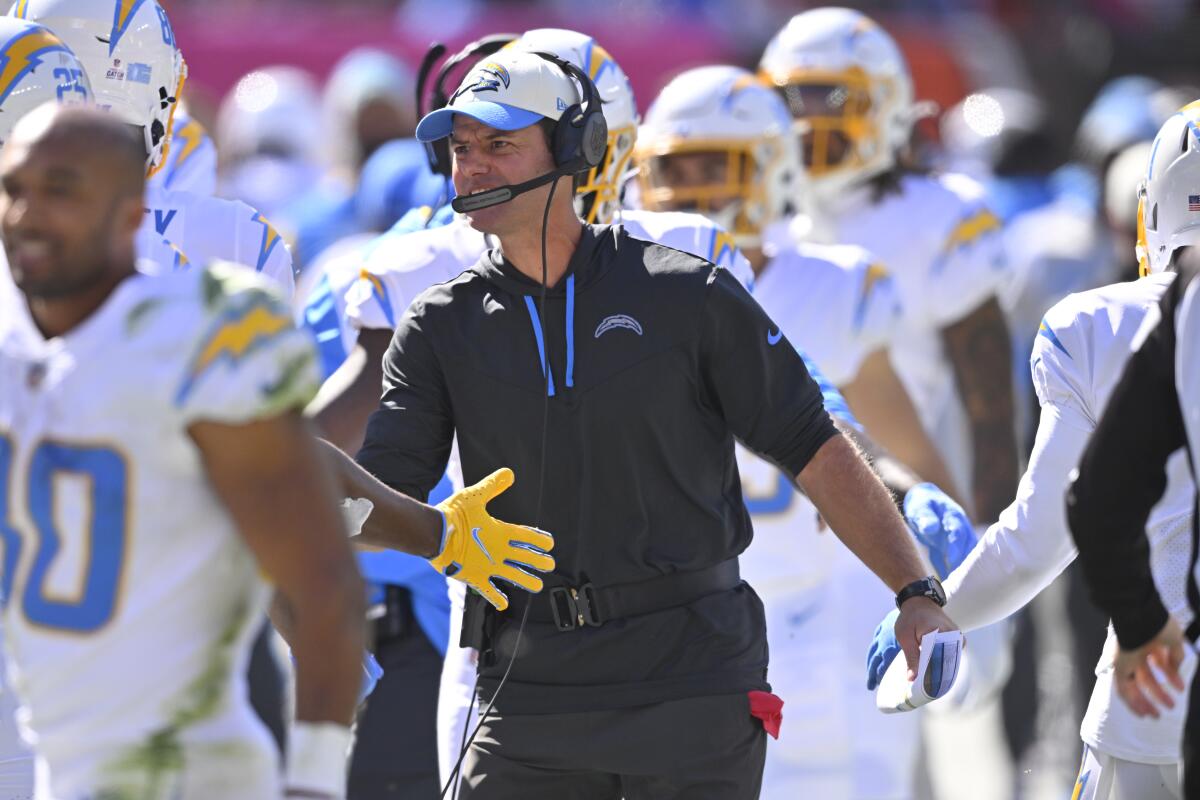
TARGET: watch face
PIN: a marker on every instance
(937, 593)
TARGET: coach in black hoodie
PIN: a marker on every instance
(617, 402)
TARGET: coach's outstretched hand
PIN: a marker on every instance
(478, 548)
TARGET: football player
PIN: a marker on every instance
(154, 467)
(1078, 358)
(850, 91)
(717, 140)
(129, 51)
(57, 77)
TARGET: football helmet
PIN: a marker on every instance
(727, 111)
(38, 68)
(598, 192)
(1168, 211)
(273, 111)
(128, 49)
(850, 91)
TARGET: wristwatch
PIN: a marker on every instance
(929, 587)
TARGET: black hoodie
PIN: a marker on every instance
(658, 360)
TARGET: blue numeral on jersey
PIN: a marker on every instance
(167, 34)
(105, 472)
(11, 539)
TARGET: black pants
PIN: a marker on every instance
(395, 749)
(702, 748)
(1191, 746)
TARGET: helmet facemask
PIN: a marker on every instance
(728, 183)
(598, 192)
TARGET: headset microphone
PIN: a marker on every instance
(502, 194)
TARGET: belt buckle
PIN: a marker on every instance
(574, 607)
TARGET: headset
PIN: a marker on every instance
(580, 135)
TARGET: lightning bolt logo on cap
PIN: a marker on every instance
(23, 54)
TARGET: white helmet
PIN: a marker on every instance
(598, 196)
(849, 88)
(1169, 197)
(129, 52)
(271, 111)
(38, 68)
(723, 110)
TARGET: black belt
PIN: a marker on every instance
(572, 607)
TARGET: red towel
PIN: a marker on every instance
(768, 709)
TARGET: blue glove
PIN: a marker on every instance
(941, 525)
(884, 649)
(372, 672)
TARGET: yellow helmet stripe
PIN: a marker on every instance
(123, 13)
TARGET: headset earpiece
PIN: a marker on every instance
(581, 134)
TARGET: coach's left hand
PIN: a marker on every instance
(918, 616)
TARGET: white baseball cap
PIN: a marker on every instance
(512, 90)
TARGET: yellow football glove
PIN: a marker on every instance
(484, 548)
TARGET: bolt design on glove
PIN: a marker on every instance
(478, 548)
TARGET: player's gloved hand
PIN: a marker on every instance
(884, 649)
(941, 525)
(372, 672)
(478, 548)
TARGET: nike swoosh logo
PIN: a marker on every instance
(478, 541)
(773, 338)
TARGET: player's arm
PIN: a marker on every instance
(347, 399)
(1029, 546)
(270, 476)
(980, 351)
(883, 406)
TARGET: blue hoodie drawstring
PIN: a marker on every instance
(541, 344)
(570, 331)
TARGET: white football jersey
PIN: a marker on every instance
(131, 599)
(1078, 357)
(211, 229)
(191, 162)
(839, 305)
(944, 250)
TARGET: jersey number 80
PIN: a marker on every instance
(105, 471)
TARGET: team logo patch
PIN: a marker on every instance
(1194, 202)
(618, 321)
(488, 78)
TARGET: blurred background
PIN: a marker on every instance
(1050, 103)
(1056, 56)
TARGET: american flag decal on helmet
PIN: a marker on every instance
(1194, 202)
